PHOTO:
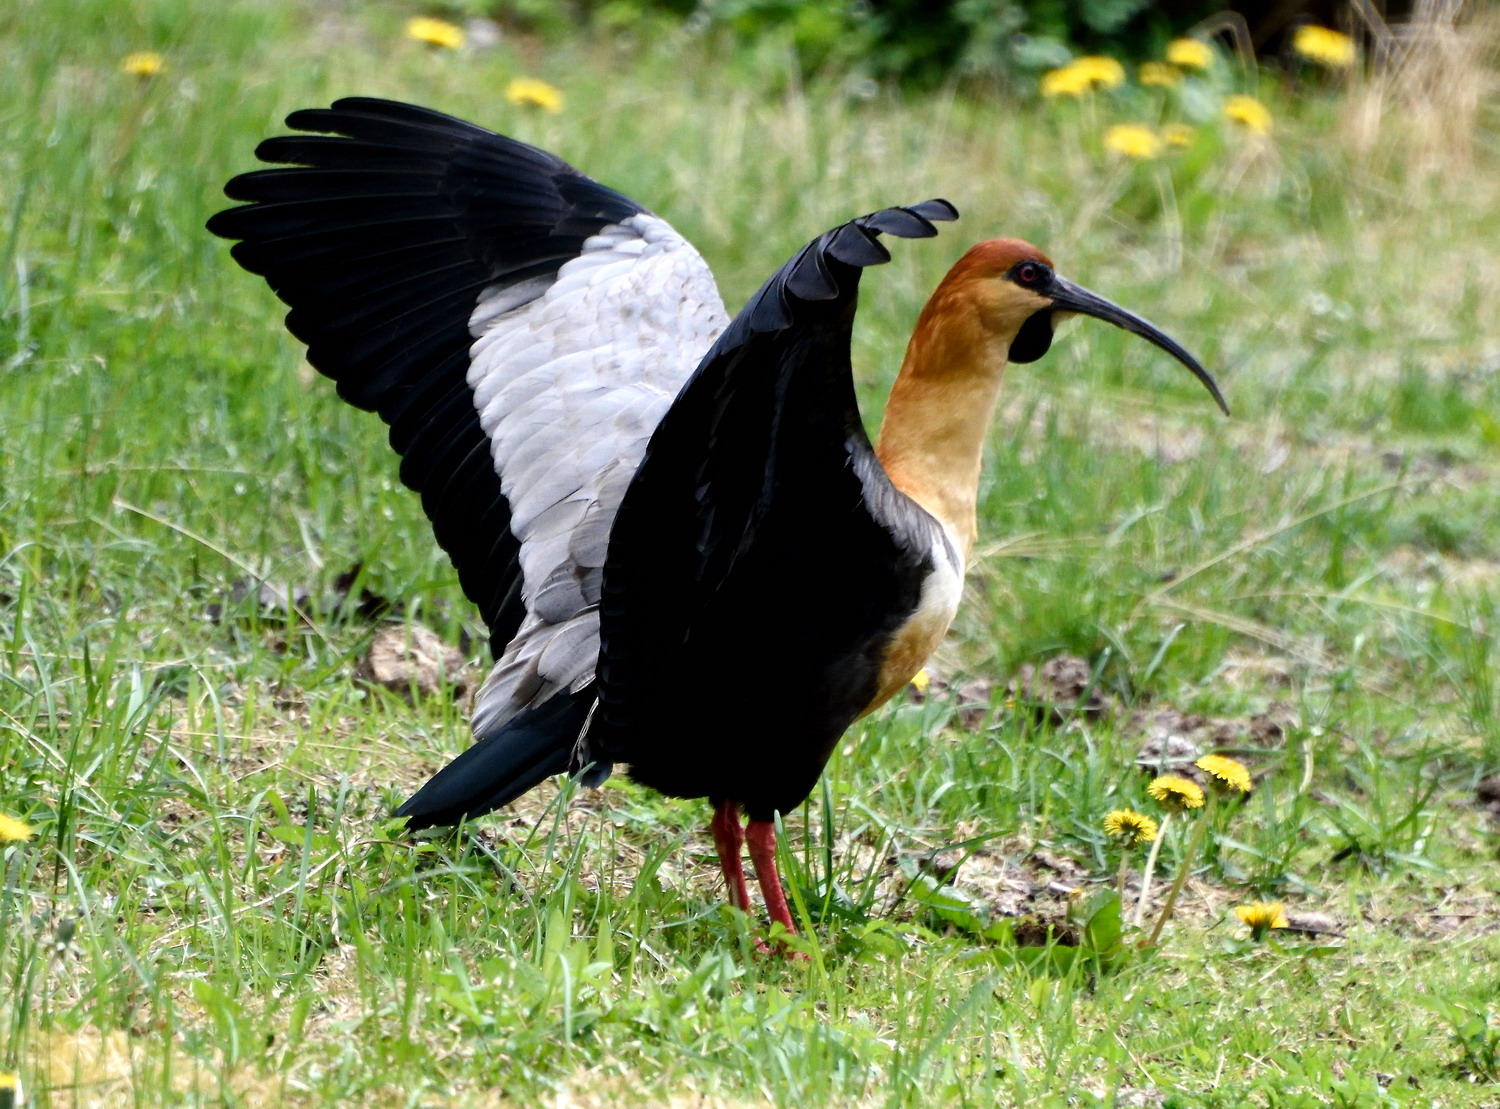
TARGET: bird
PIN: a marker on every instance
(691, 559)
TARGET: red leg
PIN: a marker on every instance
(729, 838)
(761, 835)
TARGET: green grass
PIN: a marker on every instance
(213, 911)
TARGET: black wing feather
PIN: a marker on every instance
(380, 232)
(758, 476)
(772, 308)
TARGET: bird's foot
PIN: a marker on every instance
(781, 946)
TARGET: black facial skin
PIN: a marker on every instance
(1035, 336)
(1033, 275)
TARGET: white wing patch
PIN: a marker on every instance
(570, 378)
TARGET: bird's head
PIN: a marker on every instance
(1019, 297)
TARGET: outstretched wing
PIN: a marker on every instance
(519, 326)
(757, 480)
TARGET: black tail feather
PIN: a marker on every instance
(500, 767)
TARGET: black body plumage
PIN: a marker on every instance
(777, 558)
(761, 559)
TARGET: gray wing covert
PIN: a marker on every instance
(569, 387)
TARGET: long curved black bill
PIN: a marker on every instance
(1068, 297)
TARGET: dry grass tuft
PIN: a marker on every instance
(95, 1067)
(1420, 105)
(587, 1092)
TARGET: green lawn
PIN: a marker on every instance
(214, 909)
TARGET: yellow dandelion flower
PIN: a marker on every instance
(1225, 774)
(435, 32)
(1067, 80)
(1190, 53)
(1083, 75)
(1132, 140)
(1177, 134)
(1175, 794)
(921, 680)
(1158, 75)
(143, 64)
(1249, 113)
(1324, 46)
(1260, 915)
(531, 92)
(14, 831)
(1130, 827)
(1101, 72)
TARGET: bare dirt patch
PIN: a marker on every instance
(412, 659)
(1460, 913)
(1062, 687)
(1412, 563)
(1487, 795)
(1172, 740)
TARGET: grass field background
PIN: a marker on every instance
(214, 909)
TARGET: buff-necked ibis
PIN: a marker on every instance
(689, 556)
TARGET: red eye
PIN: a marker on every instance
(1028, 273)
